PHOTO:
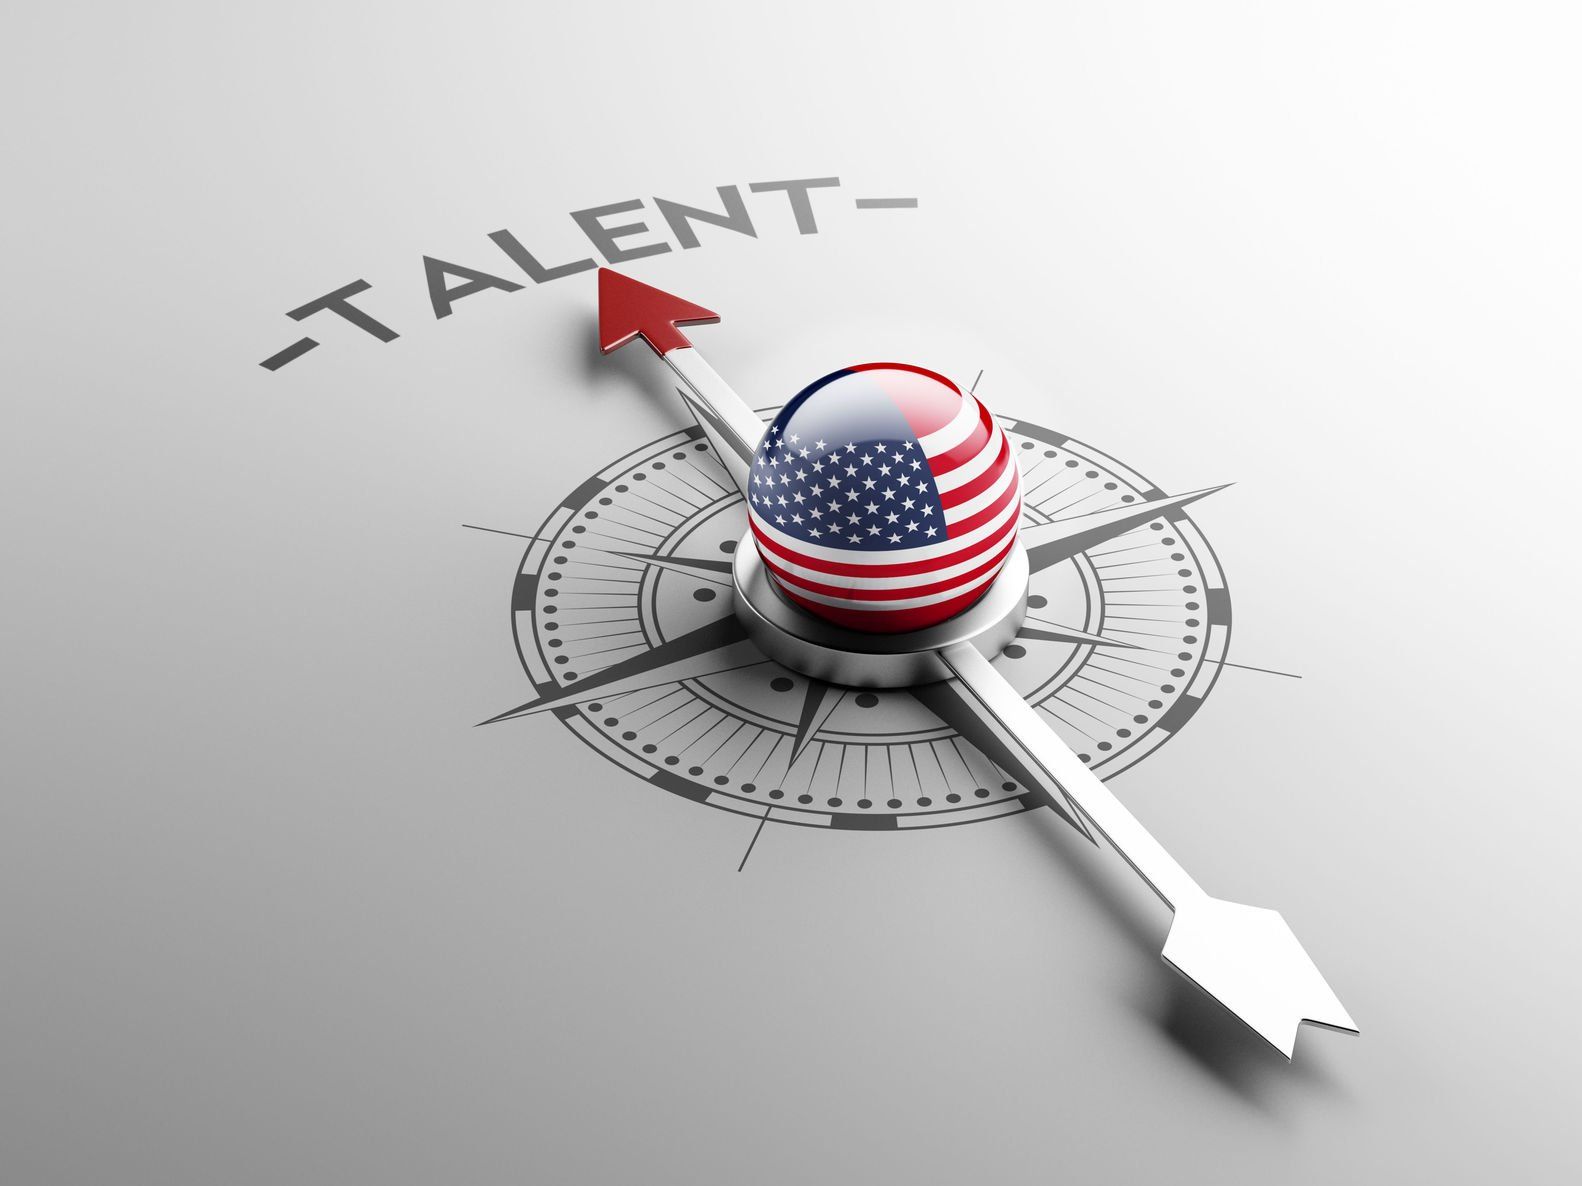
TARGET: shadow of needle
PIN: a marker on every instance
(1194, 1024)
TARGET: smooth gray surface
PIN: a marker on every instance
(271, 911)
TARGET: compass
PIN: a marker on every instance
(1121, 644)
(1069, 619)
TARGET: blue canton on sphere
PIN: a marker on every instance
(859, 489)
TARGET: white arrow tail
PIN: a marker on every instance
(1247, 958)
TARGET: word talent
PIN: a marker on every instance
(617, 232)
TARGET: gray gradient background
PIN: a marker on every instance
(271, 911)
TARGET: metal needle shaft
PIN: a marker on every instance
(1019, 724)
(732, 427)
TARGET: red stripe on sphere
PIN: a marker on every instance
(1011, 493)
(970, 490)
(977, 440)
(889, 621)
(903, 593)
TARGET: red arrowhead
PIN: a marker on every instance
(628, 308)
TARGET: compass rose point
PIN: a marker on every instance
(1057, 539)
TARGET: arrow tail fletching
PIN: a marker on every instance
(1248, 960)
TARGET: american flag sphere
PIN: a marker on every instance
(884, 498)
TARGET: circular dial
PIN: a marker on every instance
(626, 590)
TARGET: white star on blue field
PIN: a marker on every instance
(868, 496)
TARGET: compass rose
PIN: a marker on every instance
(645, 623)
(623, 618)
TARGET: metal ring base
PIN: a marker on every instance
(796, 639)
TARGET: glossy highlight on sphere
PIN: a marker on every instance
(884, 498)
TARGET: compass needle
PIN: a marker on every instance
(899, 536)
(1243, 956)
(952, 703)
